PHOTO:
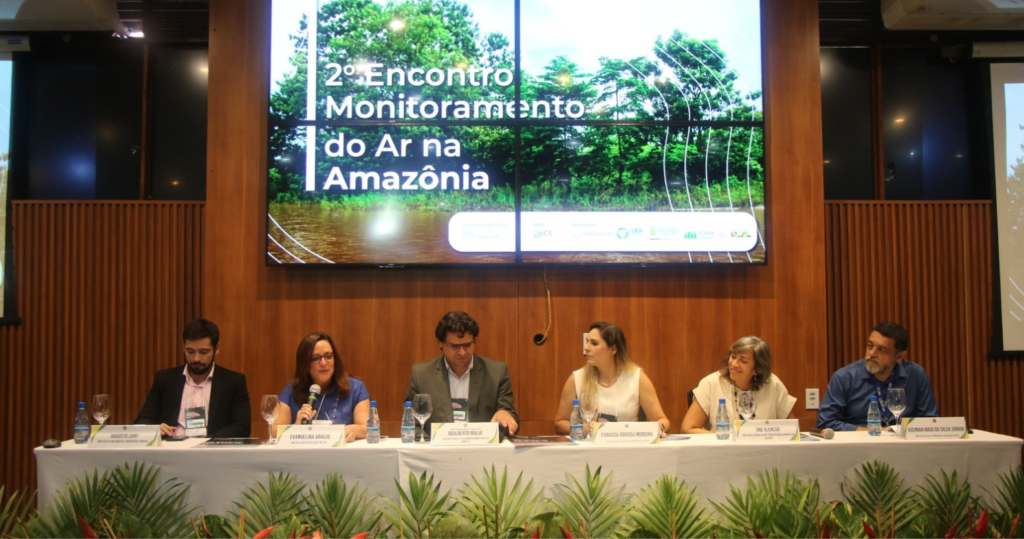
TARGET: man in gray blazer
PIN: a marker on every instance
(462, 385)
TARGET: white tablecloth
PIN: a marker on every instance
(218, 475)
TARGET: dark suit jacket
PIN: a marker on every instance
(229, 412)
(490, 389)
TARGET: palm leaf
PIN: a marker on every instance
(271, 504)
(754, 512)
(878, 493)
(497, 508)
(340, 511)
(134, 490)
(592, 508)
(419, 507)
(14, 513)
(88, 497)
(946, 501)
(668, 509)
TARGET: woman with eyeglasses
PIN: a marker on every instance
(342, 400)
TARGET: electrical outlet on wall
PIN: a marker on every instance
(811, 398)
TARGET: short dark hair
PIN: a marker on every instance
(896, 332)
(456, 322)
(200, 328)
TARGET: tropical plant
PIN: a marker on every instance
(419, 508)
(14, 512)
(592, 508)
(1009, 500)
(496, 508)
(946, 504)
(125, 501)
(667, 509)
(265, 506)
(340, 511)
(453, 526)
(878, 492)
(772, 506)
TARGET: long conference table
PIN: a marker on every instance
(218, 475)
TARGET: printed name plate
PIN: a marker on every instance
(464, 433)
(934, 428)
(761, 431)
(125, 436)
(311, 436)
(627, 433)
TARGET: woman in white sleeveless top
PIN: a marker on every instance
(622, 387)
(746, 368)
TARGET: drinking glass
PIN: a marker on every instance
(588, 409)
(268, 408)
(897, 404)
(421, 410)
(746, 404)
(101, 408)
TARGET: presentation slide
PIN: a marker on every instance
(1008, 137)
(421, 132)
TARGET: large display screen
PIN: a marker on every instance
(504, 131)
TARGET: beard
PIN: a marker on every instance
(875, 367)
(198, 368)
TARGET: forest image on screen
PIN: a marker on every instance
(421, 132)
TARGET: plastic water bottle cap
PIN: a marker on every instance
(373, 404)
(721, 401)
(408, 404)
(81, 405)
(874, 397)
(575, 402)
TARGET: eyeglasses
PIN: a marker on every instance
(326, 357)
(457, 347)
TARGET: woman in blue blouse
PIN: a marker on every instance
(343, 399)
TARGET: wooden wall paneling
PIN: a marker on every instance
(80, 283)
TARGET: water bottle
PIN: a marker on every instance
(81, 425)
(575, 422)
(874, 417)
(373, 425)
(408, 424)
(722, 421)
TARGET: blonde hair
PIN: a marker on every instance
(612, 335)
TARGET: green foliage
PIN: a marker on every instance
(667, 509)
(592, 508)
(1009, 502)
(340, 511)
(268, 505)
(878, 493)
(14, 512)
(945, 503)
(125, 501)
(495, 507)
(453, 526)
(772, 506)
(420, 507)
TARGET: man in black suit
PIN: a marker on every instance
(196, 402)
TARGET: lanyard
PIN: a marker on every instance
(334, 414)
(883, 401)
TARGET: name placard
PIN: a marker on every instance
(627, 433)
(934, 428)
(311, 436)
(464, 433)
(766, 431)
(125, 436)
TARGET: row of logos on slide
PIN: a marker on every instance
(477, 232)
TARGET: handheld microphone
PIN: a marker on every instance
(314, 390)
(825, 433)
